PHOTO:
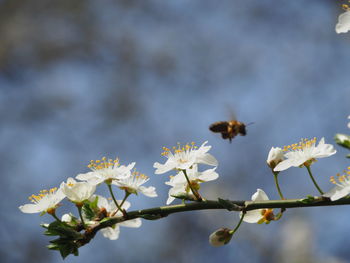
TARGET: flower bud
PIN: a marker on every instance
(275, 157)
(220, 237)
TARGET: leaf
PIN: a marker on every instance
(65, 246)
(308, 200)
(63, 230)
(88, 212)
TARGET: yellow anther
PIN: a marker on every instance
(35, 198)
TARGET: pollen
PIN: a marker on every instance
(303, 144)
(139, 175)
(341, 178)
(179, 149)
(36, 198)
(103, 163)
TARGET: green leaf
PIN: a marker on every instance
(65, 246)
(229, 205)
(343, 140)
(308, 200)
(63, 230)
(93, 204)
(88, 212)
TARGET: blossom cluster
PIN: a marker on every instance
(185, 162)
(82, 192)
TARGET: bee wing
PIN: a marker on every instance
(220, 126)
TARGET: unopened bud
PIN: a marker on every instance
(275, 156)
(220, 237)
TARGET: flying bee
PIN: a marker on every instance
(229, 129)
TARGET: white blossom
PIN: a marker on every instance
(258, 215)
(112, 233)
(305, 151)
(184, 157)
(342, 186)
(106, 170)
(180, 185)
(45, 201)
(77, 192)
(343, 25)
(276, 155)
(134, 184)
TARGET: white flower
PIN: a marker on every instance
(67, 218)
(259, 215)
(105, 170)
(184, 157)
(77, 192)
(180, 185)
(275, 156)
(133, 185)
(112, 233)
(343, 24)
(305, 151)
(342, 187)
(45, 201)
(220, 237)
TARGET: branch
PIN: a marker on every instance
(163, 211)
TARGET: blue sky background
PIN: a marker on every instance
(84, 79)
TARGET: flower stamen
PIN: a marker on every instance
(36, 198)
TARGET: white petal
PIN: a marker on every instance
(132, 223)
(260, 195)
(148, 191)
(85, 176)
(337, 192)
(208, 175)
(170, 200)
(208, 159)
(163, 168)
(30, 208)
(111, 233)
(284, 165)
(66, 218)
(252, 216)
(343, 24)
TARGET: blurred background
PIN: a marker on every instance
(121, 78)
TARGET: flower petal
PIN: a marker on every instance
(30, 208)
(111, 233)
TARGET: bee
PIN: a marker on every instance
(229, 129)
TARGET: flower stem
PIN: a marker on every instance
(238, 225)
(115, 200)
(275, 174)
(121, 204)
(313, 179)
(80, 214)
(195, 193)
(54, 216)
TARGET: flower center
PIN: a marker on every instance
(103, 163)
(36, 198)
(341, 179)
(179, 149)
(302, 145)
(267, 214)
